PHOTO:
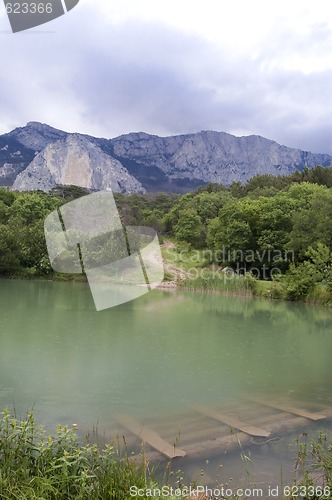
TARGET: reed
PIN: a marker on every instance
(216, 281)
(35, 465)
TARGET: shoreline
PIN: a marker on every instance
(172, 285)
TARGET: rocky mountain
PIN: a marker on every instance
(209, 156)
(14, 158)
(38, 156)
(78, 161)
(37, 135)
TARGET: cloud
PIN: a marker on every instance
(134, 71)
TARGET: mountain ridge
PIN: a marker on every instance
(37, 155)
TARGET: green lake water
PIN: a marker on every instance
(160, 354)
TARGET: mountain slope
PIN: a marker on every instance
(36, 135)
(75, 160)
(213, 156)
(38, 156)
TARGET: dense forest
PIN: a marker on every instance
(276, 229)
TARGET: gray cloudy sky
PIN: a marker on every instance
(171, 67)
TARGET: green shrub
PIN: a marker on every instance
(313, 464)
(35, 465)
(300, 280)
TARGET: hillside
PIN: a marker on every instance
(38, 156)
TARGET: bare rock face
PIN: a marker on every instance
(38, 156)
(14, 158)
(75, 160)
(9, 172)
(214, 156)
(36, 135)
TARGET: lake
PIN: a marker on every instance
(159, 357)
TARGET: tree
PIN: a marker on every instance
(189, 227)
(7, 197)
(9, 251)
(301, 279)
(232, 236)
(3, 212)
(69, 192)
(31, 207)
(312, 223)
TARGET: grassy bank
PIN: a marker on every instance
(35, 465)
(318, 294)
(313, 466)
(207, 280)
(198, 274)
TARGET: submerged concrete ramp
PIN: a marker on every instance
(209, 431)
(151, 437)
(233, 422)
(290, 409)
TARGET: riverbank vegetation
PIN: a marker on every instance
(273, 235)
(313, 467)
(37, 465)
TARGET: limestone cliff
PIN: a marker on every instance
(76, 160)
(38, 156)
(214, 156)
(36, 135)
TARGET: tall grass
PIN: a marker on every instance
(313, 464)
(216, 281)
(34, 465)
(38, 466)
